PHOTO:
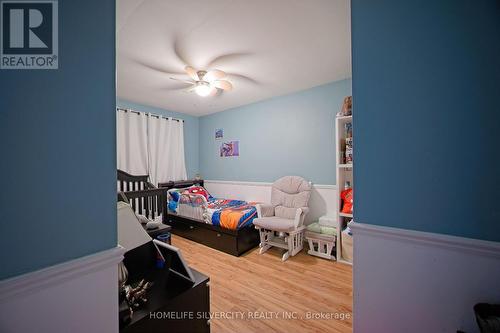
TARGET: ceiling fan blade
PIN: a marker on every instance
(223, 84)
(192, 73)
(242, 77)
(213, 75)
(177, 85)
(228, 58)
(190, 89)
(179, 51)
(185, 81)
(158, 68)
(177, 89)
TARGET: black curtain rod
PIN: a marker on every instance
(152, 115)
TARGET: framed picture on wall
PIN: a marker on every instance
(219, 134)
(229, 149)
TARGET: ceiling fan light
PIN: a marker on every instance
(203, 89)
(213, 75)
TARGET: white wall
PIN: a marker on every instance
(322, 200)
(410, 281)
(76, 296)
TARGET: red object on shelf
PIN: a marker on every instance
(347, 201)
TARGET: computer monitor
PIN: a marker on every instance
(177, 264)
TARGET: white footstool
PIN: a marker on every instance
(320, 245)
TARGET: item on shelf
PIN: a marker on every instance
(348, 230)
(143, 219)
(348, 130)
(348, 150)
(347, 243)
(151, 225)
(136, 296)
(347, 201)
(346, 109)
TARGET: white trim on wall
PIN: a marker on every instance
(80, 295)
(413, 281)
(236, 182)
(47, 277)
(322, 200)
(461, 244)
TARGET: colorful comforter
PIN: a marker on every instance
(231, 214)
(225, 213)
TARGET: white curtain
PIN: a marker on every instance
(160, 149)
(132, 144)
(166, 150)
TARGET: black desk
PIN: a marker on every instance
(174, 304)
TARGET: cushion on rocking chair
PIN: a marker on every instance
(275, 223)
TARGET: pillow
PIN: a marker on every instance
(175, 195)
(172, 206)
(330, 231)
(197, 190)
(314, 227)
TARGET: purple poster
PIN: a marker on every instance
(231, 148)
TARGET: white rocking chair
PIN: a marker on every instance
(281, 223)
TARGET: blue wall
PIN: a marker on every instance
(288, 135)
(57, 141)
(426, 97)
(191, 132)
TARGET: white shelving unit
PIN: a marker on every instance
(344, 173)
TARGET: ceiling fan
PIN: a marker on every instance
(206, 83)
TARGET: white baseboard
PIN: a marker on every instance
(80, 295)
(411, 281)
(323, 197)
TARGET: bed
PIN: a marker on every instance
(225, 225)
(234, 240)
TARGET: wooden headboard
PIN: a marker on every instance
(181, 183)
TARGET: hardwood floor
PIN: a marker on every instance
(259, 291)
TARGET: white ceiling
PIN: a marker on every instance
(281, 46)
